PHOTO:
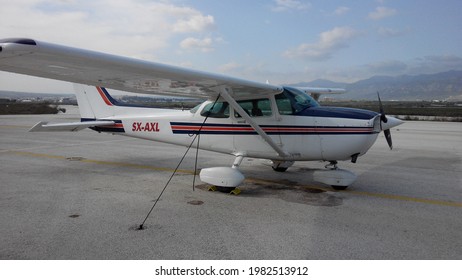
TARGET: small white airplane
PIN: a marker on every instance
(241, 118)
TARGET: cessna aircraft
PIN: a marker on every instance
(241, 118)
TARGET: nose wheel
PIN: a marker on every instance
(230, 190)
(281, 166)
(332, 165)
(338, 179)
(339, 188)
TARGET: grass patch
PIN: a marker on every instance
(29, 108)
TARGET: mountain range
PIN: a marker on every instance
(439, 86)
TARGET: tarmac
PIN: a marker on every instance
(82, 195)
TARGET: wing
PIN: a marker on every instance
(30, 57)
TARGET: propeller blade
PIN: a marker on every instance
(383, 117)
(388, 137)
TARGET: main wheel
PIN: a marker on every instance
(225, 189)
(280, 169)
(339, 188)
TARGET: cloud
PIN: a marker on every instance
(435, 63)
(290, 5)
(328, 43)
(381, 13)
(196, 23)
(204, 45)
(341, 11)
(417, 66)
(136, 28)
(386, 67)
(260, 71)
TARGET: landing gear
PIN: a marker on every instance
(339, 188)
(281, 166)
(224, 179)
(229, 190)
(332, 165)
(338, 178)
(280, 169)
(222, 176)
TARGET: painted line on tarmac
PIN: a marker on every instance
(254, 180)
(102, 162)
(14, 126)
(407, 198)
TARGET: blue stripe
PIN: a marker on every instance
(216, 124)
(338, 112)
(105, 128)
(111, 99)
(192, 132)
(274, 127)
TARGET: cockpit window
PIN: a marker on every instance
(194, 110)
(255, 108)
(216, 110)
(293, 101)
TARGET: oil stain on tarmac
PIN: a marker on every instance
(288, 191)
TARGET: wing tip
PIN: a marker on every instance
(21, 41)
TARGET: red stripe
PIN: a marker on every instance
(272, 129)
(105, 99)
(117, 125)
(215, 128)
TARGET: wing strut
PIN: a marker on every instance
(225, 93)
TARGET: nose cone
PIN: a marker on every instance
(391, 122)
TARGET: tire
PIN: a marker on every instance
(280, 169)
(225, 189)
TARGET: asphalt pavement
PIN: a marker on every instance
(66, 195)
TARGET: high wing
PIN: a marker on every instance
(31, 57)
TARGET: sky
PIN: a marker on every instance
(280, 41)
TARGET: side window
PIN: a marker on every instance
(219, 110)
(284, 105)
(255, 108)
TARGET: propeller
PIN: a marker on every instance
(383, 118)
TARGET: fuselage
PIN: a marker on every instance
(294, 121)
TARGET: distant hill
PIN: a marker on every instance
(24, 95)
(440, 86)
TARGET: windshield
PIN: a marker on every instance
(216, 110)
(293, 101)
(194, 110)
